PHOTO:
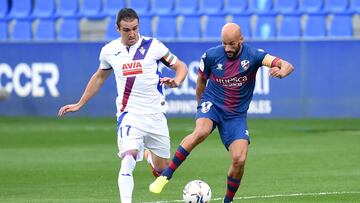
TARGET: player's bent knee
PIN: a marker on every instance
(238, 161)
(128, 164)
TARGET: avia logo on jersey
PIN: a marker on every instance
(219, 66)
(132, 68)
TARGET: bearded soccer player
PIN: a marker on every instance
(224, 89)
(141, 102)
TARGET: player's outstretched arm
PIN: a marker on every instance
(92, 87)
(281, 69)
(181, 72)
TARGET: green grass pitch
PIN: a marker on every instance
(75, 160)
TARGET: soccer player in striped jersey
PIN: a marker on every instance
(140, 103)
(224, 89)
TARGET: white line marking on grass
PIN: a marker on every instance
(272, 196)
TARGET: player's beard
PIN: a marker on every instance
(233, 54)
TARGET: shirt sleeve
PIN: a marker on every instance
(265, 59)
(163, 54)
(260, 57)
(204, 69)
(104, 64)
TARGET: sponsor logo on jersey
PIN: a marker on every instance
(132, 68)
(245, 64)
(219, 66)
(117, 53)
(142, 50)
(237, 81)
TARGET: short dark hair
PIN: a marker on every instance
(126, 14)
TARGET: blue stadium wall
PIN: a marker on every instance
(41, 77)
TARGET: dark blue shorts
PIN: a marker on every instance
(230, 129)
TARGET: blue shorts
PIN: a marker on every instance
(230, 129)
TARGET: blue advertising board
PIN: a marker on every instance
(41, 77)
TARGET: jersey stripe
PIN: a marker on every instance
(159, 86)
(142, 50)
(128, 87)
(231, 94)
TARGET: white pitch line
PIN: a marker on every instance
(272, 196)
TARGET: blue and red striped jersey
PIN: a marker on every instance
(230, 82)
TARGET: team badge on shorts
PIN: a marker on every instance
(205, 106)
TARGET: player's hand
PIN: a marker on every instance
(276, 72)
(170, 82)
(68, 108)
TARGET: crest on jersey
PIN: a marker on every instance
(219, 66)
(245, 64)
(142, 50)
(205, 106)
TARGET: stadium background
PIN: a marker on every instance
(49, 49)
